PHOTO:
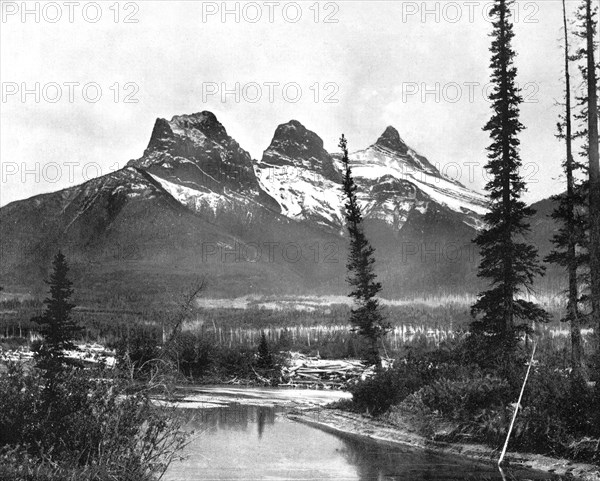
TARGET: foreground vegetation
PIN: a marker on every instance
(446, 395)
(88, 426)
(59, 421)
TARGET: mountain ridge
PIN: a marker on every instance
(195, 191)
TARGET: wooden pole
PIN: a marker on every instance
(512, 423)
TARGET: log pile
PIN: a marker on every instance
(304, 371)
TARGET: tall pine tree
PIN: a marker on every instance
(367, 316)
(588, 15)
(57, 327)
(508, 261)
(586, 116)
(570, 240)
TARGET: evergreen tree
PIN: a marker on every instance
(588, 20)
(265, 358)
(501, 315)
(367, 316)
(570, 239)
(56, 324)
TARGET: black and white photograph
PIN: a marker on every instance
(353, 240)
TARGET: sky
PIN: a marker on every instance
(83, 82)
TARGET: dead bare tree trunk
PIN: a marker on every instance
(572, 264)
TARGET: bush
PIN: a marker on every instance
(417, 368)
(137, 350)
(78, 424)
(556, 411)
(475, 406)
(376, 394)
(460, 399)
(440, 394)
(233, 361)
(191, 354)
(13, 343)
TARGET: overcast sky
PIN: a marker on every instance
(360, 65)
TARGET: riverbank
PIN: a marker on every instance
(337, 421)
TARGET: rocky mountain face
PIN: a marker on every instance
(197, 204)
(301, 176)
(198, 163)
(195, 151)
(393, 180)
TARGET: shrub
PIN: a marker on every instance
(387, 387)
(556, 410)
(418, 367)
(12, 343)
(233, 361)
(137, 350)
(81, 425)
(191, 354)
(19, 399)
(476, 406)
(459, 399)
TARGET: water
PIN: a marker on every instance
(243, 441)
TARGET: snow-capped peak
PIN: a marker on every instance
(299, 174)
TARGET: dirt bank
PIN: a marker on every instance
(340, 421)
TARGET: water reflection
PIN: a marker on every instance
(379, 461)
(244, 442)
(236, 417)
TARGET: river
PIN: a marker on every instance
(244, 434)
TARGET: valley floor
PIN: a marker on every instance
(334, 420)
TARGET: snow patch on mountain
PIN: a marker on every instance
(392, 179)
(375, 162)
(194, 199)
(302, 193)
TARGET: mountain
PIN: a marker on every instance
(152, 226)
(197, 162)
(196, 151)
(301, 176)
(196, 204)
(393, 180)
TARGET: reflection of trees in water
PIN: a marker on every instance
(375, 462)
(235, 417)
(264, 415)
(378, 462)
